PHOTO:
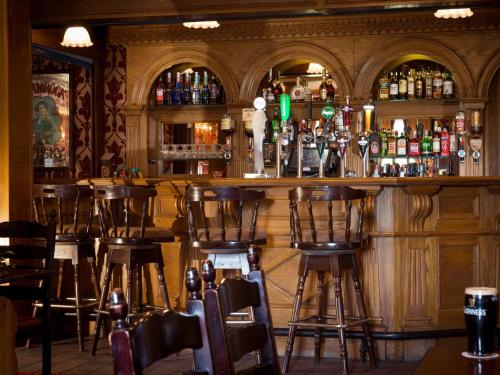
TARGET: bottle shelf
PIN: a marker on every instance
(414, 157)
(182, 107)
(413, 101)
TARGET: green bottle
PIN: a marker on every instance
(426, 144)
(383, 143)
(275, 124)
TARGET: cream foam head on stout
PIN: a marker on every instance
(481, 291)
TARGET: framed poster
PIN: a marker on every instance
(52, 120)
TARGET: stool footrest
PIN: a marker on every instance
(306, 322)
(64, 306)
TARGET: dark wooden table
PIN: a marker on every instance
(450, 361)
(10, 275)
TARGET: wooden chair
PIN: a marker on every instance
(129, 243)
(158, 335)
(231, 342)
(315, 215)
(31, 252)
(74, 242)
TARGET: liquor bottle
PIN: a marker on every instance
(205, 92)
(436, 139)
(214, 90)
(437, 84)
(453, 140)
(445, 142)
(323, 89)
(167, 96)
(196, 95)
(402, 85)
(187, 89)
(411, 84)
(414, 146)
(393, 86)
(391, 145)
(427, 144)
(278, 90)
(178, 89)
(298, 93)
(308, 92)
(383, 143)
(428, 83)
(270, 88)
(383, 87)
(347, 114)
(221, 94)
(401, 146)
(460, 122)
(160, 90)
(374, 145)
(339, 120)
(448, 85)
(419, 86)
(329, 87)
(275, 124)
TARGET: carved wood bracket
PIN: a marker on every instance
(420, 205)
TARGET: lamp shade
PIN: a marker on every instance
(76, 36)
(454, 13)
(201, 24)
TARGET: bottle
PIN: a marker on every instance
(323, 89)
(308, 92)
(330, 88)
(383, 143)
(402, 85)
(411, 84)
(445, 142)
(278, 90)
(221, 95)
(383, 87)
(160, 90)
(298, 93)
(275, 124)
(460, 122)
(393, 86)
(414, 146)
(453, 140)
(391, 145)
(270, 88)
(401, 146)
(374, 145)
(178, 89)
(347, 114)
(427, 144)
(339, 120)
(213, 88)
(436, 139)
(205, 94)
(428, 83)
(419, 86)
(196, 95)
(437, 84)
(448, 91)
(187, 89)
(167, 96)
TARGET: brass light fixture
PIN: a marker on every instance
(76, 36)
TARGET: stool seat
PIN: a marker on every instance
(151, 234)
(326, 248)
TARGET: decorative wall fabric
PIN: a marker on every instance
(114, 98)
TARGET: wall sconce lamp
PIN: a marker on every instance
(76, 36)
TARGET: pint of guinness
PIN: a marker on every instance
(481, 315)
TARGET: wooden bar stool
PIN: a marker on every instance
(130, 243)
(315, 215)
(74, 242)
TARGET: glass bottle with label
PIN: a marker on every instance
(448, 85)
(278, 90)
(453, 140)
(436, 139)
(411, 84)
(428, 83)
(419, 86)
(323, 89)
(374, 145)
(187, 89)
(383, 143)
(401, 146)
(329, 87)
(298, 93)
(393, 86)
(270, 98)
(214, 90)
(391, 145)
(347, 114)
(275, 124)
(383, 87)
(205, 92)
(427, 144)
(160, 90)
(445, 142)
(414, 146)
(437, 84)
(196, 95)
(178, 89)
(167, 96)
(402, 85)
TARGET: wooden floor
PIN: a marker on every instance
(66, 359)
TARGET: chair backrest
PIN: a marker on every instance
(71, 202)
(158, 335)
(230, 344)
(123, 206)
(233, 207)
(318, 204)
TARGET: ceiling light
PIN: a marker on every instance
(454, 13)
(314, 69)
(202, 24)
(76, 37)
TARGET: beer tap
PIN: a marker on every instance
(282, 139)
(367, 125)
(476, 130)
(323, 135)
(460, 129)
(304, 136)
(259, 119)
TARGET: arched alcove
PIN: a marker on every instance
(143, 82)
(397, 50)
(487, 74)
(288, 51)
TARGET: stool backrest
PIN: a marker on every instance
(71, 203)
(119, 205)
(227, 199)
(230, 344)
(325, 197)
(158, 335)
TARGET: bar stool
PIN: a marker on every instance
(222, 222)
(133, 246)
(74, 242)
(323, 251)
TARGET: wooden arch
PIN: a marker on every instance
(487, 74)
(167, 58)
(396, 49)
(288, 51)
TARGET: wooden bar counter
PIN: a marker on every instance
(428, 238)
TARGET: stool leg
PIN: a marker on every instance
(340, 321)
(138, 285)
(78, 303)
(362, 311)
(319, 315)
(163, 285)
(93, 278)
(295, 316)
(102, 304)
(60, 274)
(130, 281)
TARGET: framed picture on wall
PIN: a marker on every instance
(52, 120)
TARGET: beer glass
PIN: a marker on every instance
(481, 315)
